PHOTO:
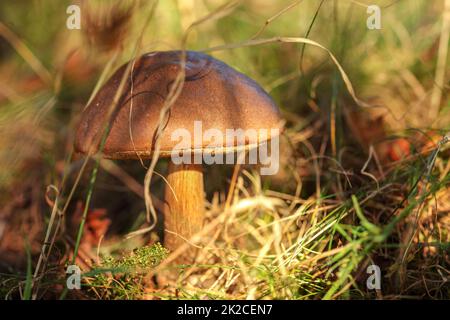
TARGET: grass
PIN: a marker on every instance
(348, 195)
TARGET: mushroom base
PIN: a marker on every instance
(183, 208)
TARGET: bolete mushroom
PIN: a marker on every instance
(214, 95)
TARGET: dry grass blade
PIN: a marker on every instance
(276, 16)
(439, 79)
(257, 42)
(25, 53)
(175, 90)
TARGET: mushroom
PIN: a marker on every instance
(214, 95)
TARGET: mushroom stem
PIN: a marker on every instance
(184, 207)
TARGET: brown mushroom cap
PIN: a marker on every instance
(213, 93)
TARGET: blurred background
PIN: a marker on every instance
(296, 235)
